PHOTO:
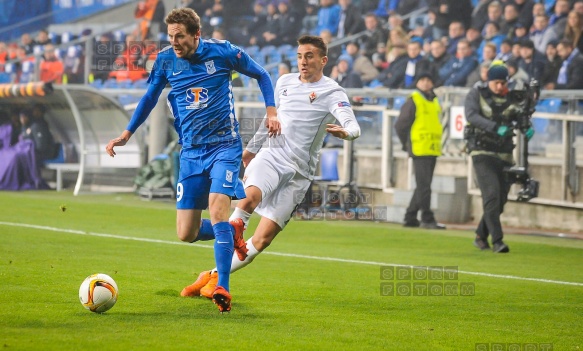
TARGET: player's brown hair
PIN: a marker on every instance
(185, 16)
(316, 41)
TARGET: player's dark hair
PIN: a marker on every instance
(316, 41)
(185, 16)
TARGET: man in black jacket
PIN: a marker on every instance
(571, 71)
(351, 21)
(492, 113)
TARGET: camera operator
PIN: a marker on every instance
(493, 111)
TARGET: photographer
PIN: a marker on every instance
(493, 110)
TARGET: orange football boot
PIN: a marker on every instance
(240, 244)
(194, 288)
(222, 299)
(209, 288)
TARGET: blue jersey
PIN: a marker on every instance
(201, 96)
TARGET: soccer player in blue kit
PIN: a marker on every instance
(199, 72)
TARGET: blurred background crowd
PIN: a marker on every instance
(373, 43)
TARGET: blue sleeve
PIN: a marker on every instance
(157, 80)
(145, 106)
(243, 63)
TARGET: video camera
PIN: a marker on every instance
(526, 99)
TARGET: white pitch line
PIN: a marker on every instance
(333, 259)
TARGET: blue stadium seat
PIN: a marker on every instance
(140, 84)
(110, 84)
(252, 51)
(125, 84)
(246, 80)
(119, 35)
(287, 52)
(375, 83)
(270, 54)
(552, 105)
(549, 105)
(97, 84)
(329, 175)
(398, 102)
(55, 38)
(126, 99)
(4, 78)
(67, 37)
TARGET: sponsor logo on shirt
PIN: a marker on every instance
(343, 104)
(210, 67)
(284, 92)
(196, 98)
(312, 96)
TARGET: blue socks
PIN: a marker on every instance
(206, 231)
(223, 251)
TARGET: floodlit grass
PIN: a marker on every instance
(318, 287)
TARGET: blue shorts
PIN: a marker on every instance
(209, 168)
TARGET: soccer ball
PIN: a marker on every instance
(98, 293)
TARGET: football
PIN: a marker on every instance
(98, 293)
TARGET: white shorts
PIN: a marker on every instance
(282, 187)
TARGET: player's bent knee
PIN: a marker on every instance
(261, 243)
(186, 233)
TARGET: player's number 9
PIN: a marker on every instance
(179, 191)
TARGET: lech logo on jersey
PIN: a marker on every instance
(210, 67)
(229, 176)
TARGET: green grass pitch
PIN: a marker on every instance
(320, 286)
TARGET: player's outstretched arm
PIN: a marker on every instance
(145, 106)
(119, 141)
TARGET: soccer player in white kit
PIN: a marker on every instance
(279, 170)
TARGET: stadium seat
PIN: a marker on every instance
(270, 54)
(110, 84)
(552, 105)
(125, 84)
(4, 78)
(252, 51)
(67, 37)
(287, 52)
(398, 102)
(97, 84)
(55, 38)
(27, 74)
(119, 35)
(126, 99)
(140, 84)
(328, 173)
(549, 105)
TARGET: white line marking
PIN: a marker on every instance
(333, 259)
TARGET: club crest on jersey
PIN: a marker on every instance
(196, 98)
(229, 176)
(312, 96)
(210, 67)
(284, 92)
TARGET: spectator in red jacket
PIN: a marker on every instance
(51, 68)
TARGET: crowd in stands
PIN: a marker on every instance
(454, 40)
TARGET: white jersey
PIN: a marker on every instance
(304, 109)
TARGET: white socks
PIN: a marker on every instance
(239, 213)
(237, 264)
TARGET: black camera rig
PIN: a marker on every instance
(526, 99)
